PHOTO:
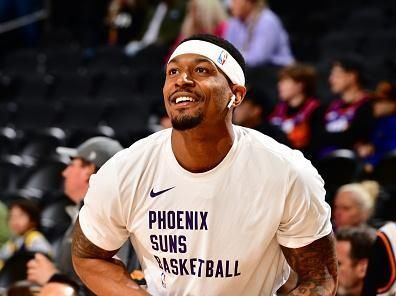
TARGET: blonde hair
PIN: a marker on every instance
(208, 15)
(364, 195)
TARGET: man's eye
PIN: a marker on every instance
(201, 70)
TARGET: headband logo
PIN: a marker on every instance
(222, 57)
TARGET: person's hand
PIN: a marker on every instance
(364, 150)
(40, 269)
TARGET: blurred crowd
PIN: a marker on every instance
(348, 131)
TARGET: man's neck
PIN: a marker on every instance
(199, 150)
(353, 291)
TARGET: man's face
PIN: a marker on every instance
(346, 210)
(195, 92)
(76, 176)
(350, 275)
(340, 80)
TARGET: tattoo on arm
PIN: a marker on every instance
(83, 248)
(315, 265)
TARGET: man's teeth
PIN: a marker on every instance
(184, 99)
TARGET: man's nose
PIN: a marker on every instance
(64, 172)
(185, 79)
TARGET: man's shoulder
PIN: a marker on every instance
(147, 144)
(258, 139)
(270, 149)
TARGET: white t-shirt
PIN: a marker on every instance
(211, 233)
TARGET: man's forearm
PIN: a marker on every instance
(106, 277)
(98, 270)
(313, 288)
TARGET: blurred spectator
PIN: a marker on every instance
(23, 221)
(253, 113)
(353, 246)
(348, 121)
(258, 33)
(125, 20)
(380, 278)
(296, 88)
(60, 285)
(353, 205)
(164, 20)
(4, 230)
(22, 288)
(86, 159)
(383, 138)
(206, 17)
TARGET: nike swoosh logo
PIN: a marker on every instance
(154, 194)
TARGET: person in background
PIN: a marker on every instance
(253, 113)
(209, 17)
(86, 159)
(353, 206)
(353, 247)
(298, 107)
(204, 17)
(22, 288)
(380, 277)
(60, 285)
(4, 230)
(348, 121)
(24, 222)
(258, 33)
(383, 139)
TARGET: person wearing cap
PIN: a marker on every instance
(211, 208)
(86, 159)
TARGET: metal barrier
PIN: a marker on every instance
(23, 21)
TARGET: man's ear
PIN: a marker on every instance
(239, 91)
(89, 170)
(362, 268)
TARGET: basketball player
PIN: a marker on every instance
(211, 208)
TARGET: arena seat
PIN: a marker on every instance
(385, 170)
(338, 168)
(54, 219)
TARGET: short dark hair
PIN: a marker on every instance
(361, 239)
(229, 47)
(61, 278)
(30, 208)
(353, 64)
(258, 97)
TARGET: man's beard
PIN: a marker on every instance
(186, 122)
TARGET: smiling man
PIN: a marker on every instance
(211, 208)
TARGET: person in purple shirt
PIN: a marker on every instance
(258, 33)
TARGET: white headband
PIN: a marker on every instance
(216, 54)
